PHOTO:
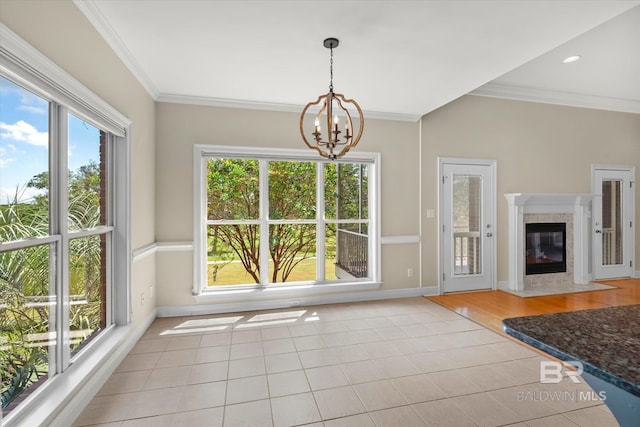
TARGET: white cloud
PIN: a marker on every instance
(32, 109)
(23, 131)
(32, 103)
(5, 161)
(5, 152)
(24, 195)
(29, 102)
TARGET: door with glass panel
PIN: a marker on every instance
(467, 226)
(613, 231)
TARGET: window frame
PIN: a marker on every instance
(202, 153)
(25, 66)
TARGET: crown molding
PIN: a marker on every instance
(269, 106)
(523, 93)
(496, 90)
(92, 12)
(97, 19)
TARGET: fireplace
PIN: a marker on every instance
(546, 248)
(572, 209)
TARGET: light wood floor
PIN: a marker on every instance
(489, 308)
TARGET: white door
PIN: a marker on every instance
(467, 218)
(613, 228)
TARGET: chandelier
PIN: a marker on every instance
(331, 110)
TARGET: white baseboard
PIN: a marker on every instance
(60, 401)
(200, 309)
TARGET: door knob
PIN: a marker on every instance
(489, 234)
(598, 231)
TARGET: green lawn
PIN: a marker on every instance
(235, 274)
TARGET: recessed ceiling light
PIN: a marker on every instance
(570, 59)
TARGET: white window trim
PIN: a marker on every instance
(23, 64)
(202, 293)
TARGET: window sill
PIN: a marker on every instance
(288, 291)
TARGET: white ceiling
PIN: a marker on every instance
(398, 59)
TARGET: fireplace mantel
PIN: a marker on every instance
(548, 202)
(579, 205)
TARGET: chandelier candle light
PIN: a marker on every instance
(332, 108)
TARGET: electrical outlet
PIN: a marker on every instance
(142, 298)
(409, 272)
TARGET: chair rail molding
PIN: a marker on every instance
(153, 248)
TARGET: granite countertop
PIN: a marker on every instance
(605, 340)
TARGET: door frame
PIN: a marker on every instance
(632, 214)
(492, 249)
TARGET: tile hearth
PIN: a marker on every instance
(552, 289)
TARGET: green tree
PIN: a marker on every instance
(233, 194)
(85, 204)
(352, 191)
(25, 277)
(292, 195)
(24, 274)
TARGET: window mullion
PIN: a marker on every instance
(60, 192)
(107, 143)
(89, 232)
(55, 248)
(107, 146)
(320, 225)
(121, 237)
(264, 222)
(200, 223)
(373, 217)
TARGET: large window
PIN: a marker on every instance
(59, 155)
(280, 218)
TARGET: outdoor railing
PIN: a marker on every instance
(467, 252)
(609, 247)
(352, 252)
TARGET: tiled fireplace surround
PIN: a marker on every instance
(572, 209)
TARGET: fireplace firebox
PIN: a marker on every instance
(546, 248)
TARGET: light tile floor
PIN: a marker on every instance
(403, 362)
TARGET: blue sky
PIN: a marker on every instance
(24, 136)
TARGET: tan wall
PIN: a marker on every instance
(539, 148)
(519, 135)
(62, 33)
(179, 127)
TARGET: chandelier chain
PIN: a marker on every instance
(331, 71)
